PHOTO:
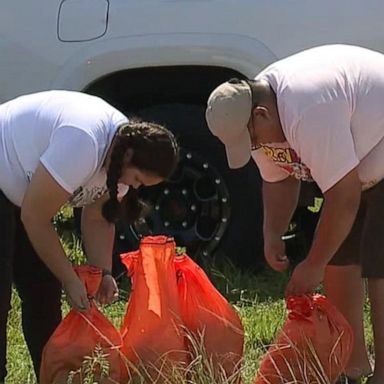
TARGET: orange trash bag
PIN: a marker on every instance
(313, 346)
(209, 317)
(151, 329)
(78, 336)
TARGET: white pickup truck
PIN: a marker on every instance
(159, 59)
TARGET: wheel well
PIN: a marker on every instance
(134, 89)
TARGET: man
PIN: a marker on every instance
(319, 116)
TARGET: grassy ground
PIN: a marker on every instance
(258, 298)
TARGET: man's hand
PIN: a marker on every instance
(305, 278)
(108, 291)
(77, 294)
(274, 252)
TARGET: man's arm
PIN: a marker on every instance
(341, 203)
(280, 201)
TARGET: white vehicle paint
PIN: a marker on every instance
(71, 43)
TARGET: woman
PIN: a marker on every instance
(57, 148)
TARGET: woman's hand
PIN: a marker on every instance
(77, 294)
(108, 291)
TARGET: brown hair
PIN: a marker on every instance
(155, 150)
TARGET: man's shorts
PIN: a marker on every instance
(365, 243)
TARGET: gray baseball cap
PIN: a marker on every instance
(228, 112)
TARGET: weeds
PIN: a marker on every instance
(95, 369)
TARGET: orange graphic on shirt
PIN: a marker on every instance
(287, 159)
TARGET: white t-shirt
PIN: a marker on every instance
(68, 132)
(331, 105)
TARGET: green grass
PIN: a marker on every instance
(257, 297)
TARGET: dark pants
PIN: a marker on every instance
(39, 290)
(364, 245)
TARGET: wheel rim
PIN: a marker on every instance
(193, 207)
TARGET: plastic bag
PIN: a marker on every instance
(78, 336)
(152, 329)
(313, 346)
(209, 317)
(203, 312)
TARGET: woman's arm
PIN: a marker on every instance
(42, 200)
(97, 235)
